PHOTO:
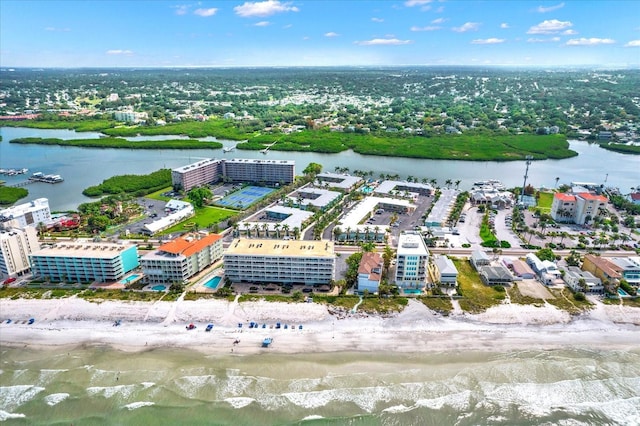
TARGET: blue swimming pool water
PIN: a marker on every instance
(412, 291)
(367, 190)
(622, 293)
(158, 288)
(213, 283)
(130, 278)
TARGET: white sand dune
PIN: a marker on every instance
(145, 325)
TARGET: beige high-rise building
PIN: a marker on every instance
(16, 244)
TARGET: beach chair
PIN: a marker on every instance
(209, 327)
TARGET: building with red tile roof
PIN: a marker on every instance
(180, 259)
(579, 208)
(370, 272)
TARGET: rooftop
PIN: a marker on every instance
(411, 244)
(186, 246)
(85, 250)
(275, 248)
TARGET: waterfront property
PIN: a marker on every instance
(283, 262)
(584, 281)
(31, 213)
(370, 272)
(479, 259)
(178, 260)
(602, 268)
(210, 170)
(443, 271)
(411, 261)
(84, 261)
(321, 199)
(394, 187)
(495, 275)
(16, 244)
(492, 193)
(579, 208)
(351, 224)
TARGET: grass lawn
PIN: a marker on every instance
(204, 218)
(476, 297)
(158, 194)
(544, 202)
(439, 304)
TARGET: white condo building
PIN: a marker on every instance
(411, 261)
(16, 244)
(32, 213)
(277, 261)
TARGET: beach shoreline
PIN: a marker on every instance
(74, 322)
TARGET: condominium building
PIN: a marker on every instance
(277, 261)
(579, 208)
(84, 261)
(411, 261)
(212, 170)
(16, 244)
(178, 260)
(266, 171)
(32, 213)
(196, 174)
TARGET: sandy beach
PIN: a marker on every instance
(73, 322)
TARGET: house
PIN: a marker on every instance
(604, 136)
(495, 275)
(602, 268)
(522, 270)
(444, 271)
(629, 269)
(370, 272)
(479, 259)
(635, 197)
(584, 281)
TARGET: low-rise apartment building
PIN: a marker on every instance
(178, 260)
(282, 262)
(579, 208)
(84, 261)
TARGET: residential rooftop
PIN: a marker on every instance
(276, 248)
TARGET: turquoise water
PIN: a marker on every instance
(103, 386)
(412, 291)
(367, 190)
(622, 293)
(159, 288)
(213, 283)
(129, 279)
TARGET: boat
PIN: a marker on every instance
(267, 341)
(228, 149)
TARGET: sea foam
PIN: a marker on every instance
(139, 404)
(11, 397)
(4, 416)
(55, 398)
(239, 402)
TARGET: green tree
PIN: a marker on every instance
(197, 196)
(312, 169)
(98, 223)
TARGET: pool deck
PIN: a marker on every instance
(199, 286)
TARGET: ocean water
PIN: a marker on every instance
(102, 386)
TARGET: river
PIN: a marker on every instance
(83, 167)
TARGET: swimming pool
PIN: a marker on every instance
(213, 283)
(623, 293)
(159, 288)
(130, 278)
(367, 190)
(412, 291)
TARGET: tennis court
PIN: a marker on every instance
(245, 197)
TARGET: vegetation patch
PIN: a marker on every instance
(99, 295)
(520, 299)
(544, 201)
(566, 300)
(157, 195)
(476, 297)
(205, 218)
(439, 304)
(122, 143)
(131, 184)
(621, 147)
(9, 195)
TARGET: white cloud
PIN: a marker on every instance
(119, 52)
(467, 26)
(262, 24)
(263, 8)
(55, 29)
(633, 43)
(287, 26)
(411, 3)
(331, 34)
(488, 41)
(205, 12)
(427, 28)
(589, 41)
(383, 42)
(504, 25)
(543, 9)
(543, 40)
(438, 21)
(569, 32)
(377, 19)
(551, 26)
(181, 9)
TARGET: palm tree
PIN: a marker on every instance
(366, 233)
(348, 230)
(285, 228)
(336, 232)
(448, 183)
(458, 183)
(247, 228)
(434, 182)
(256, 228)
(557, 180)
(376, 229)
(265, 228)
(277, 229)
(296, 232)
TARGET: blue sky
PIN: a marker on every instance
(131, 33)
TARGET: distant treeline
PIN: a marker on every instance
(136, 185)
(122, 143)
(620, 147)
